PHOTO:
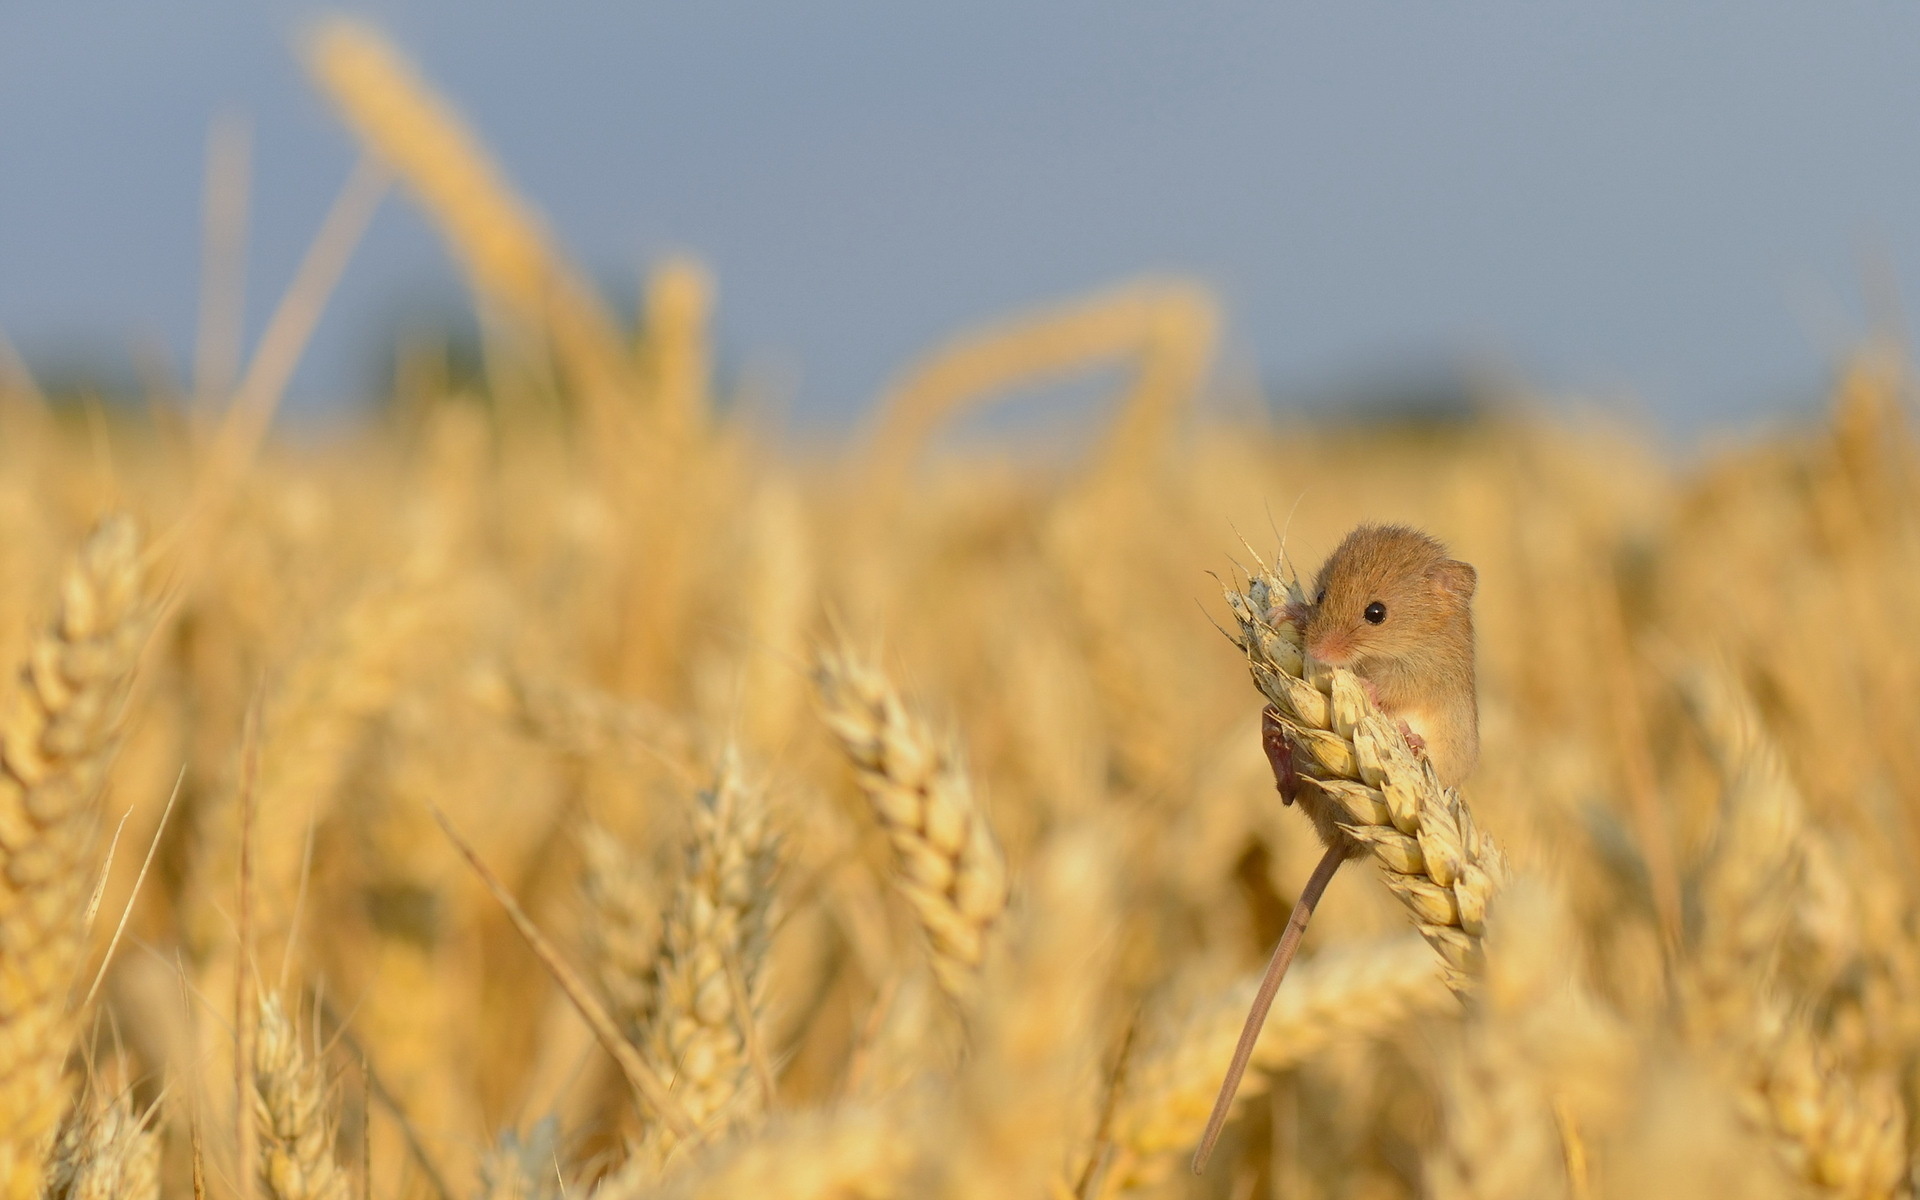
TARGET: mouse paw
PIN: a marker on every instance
(1415, 742)
(1273, 739)
(1296, 613)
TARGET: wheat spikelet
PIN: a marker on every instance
(714, 932)
(1359, 992)
(294, 1113)
(55, 743)
(104, 1153)
(503, 245)
(946, 862)
(1361, 782)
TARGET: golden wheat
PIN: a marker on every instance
(1844, 1133)
(105, 1152)
(56, 743)
(294, 1112)
(946, 862)
(701, 1023)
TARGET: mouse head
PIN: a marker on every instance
(1387, 593)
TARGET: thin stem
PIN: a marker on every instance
(1263, 1000)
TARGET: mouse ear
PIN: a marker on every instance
(1455, 578)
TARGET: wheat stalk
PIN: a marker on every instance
(1361, 782)
(56, 739)
(1363, 991)
(293, 1111)
(946, 862)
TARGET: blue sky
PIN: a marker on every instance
(1676, 202)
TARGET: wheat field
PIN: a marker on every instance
(562, 786)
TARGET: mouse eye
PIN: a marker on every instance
(1376, 613)
(1321, 598)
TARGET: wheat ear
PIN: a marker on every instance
(293, 1111)
(56, 740)
(1845, 1134)
(105, 1153)
(1361, 781)
(1361, 992)
(695, 1032)
(946, 861)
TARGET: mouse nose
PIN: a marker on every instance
(1331, 649)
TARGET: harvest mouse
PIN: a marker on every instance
(1391, 607)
